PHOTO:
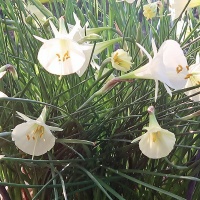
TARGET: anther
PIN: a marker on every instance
(179, 69)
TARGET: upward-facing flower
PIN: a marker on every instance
(156, 142)
(177, 6)
(168, 65)
(34, 137)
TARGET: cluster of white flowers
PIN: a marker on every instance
(70, 52)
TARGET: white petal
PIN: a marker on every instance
(2, 74)
(88, 53)
(53, 128)
(54, 29)
(40, 39)
(24, 117)
(48, 56)
(42, 117)
(168, 90)
(154, 46)
(144, 50)
(156, 89)
(161, 147)
(2, 95)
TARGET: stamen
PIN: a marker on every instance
(179, 69)
(187, 67)
(28, 137)
(188, 76)
(155, 136)
(116, 59)
(66, 56)
(58, 57)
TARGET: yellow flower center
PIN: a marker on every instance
(116, 59)
(38, 132)
(155, 136)
(65, 56)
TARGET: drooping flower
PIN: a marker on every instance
(193, 79)
(7, 68)
(177, 6)
(121, 60)
(156, 142)
(169, 65)
(150, 9)
(34, 137)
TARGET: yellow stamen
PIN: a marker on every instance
(187, 67)
(116, 59)
(179, 69)
(38, 132)
(65, 56)
(155, 136)
(58, 57)
(188, 76)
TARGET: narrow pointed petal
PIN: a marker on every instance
(24, 117)
(53, 128)
(168, 90)
(154, 47)
(54, 29)
(137, 139)
(42, 117)
(2, 74)
(156, 89)
(40, 39)
(144, 50)
(62, 28)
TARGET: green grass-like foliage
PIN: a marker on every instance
(93, 158)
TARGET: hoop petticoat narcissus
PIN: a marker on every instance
(169, 65)
(62, 55)
(34, 137)
(121, 60)
(156, 142)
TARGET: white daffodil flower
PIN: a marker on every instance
(62, 55)
(193, 79)
(177, 6)
(169, 65)
(34, 137)
(156, 142)
(121, 60)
